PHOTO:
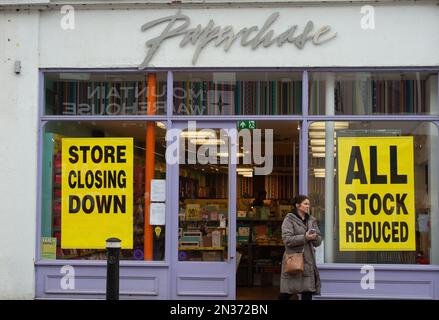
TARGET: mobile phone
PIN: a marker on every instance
(312, 231)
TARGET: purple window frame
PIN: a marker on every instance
(305, 119)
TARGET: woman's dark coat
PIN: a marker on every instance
(293, 235)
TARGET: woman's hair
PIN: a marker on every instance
(298, 199)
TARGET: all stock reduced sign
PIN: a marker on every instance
(97, 192)
(376, 194)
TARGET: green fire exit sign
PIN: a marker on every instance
(247, 124)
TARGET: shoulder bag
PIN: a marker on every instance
(294, 262)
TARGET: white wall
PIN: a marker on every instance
(404, 35)
(18, 161)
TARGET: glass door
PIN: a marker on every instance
(204, 210)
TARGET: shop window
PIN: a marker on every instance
(240, 93)
(109, 186)
(103, 94)
(263, 201)
(373, 188)
(364, 93)
(203, 197)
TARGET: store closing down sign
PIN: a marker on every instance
(376, 194)
(97, 192)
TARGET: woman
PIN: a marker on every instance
(300, 232)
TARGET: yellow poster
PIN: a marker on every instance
(376, 194)
(97, 192)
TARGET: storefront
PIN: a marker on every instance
(201, 123)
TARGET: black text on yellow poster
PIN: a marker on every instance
(376, 194)
(97, 192)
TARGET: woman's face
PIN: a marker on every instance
(303, 206)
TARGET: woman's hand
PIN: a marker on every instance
(310, 236)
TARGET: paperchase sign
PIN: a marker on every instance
(178, 25)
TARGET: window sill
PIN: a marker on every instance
(376, 266)
(98, 263)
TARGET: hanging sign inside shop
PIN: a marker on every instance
(97, 192)
(254, 36)
(376, 193)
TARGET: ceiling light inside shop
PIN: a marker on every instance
(317, 142)
(341, 125)
(161, 125)
(320, 149)
(322, 125)
(320, 172)
(318, 155)
(208, 142)
(320, 142)
(198, 134)
(318, 134)
(244, 171)
(226, 154)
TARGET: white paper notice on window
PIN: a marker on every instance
(157, 214)
(158, 190)
(423, 222)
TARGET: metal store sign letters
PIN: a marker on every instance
(178, 25)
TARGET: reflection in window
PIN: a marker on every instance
(51, 232)
(102, 94)
(372, 93)
(324, 188)
(237, 93)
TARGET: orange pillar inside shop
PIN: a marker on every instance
(149, 166)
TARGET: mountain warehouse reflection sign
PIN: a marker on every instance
(376, 194)
(226, 36)
(97, 192)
